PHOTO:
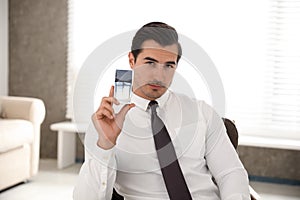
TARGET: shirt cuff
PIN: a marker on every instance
(105, 157)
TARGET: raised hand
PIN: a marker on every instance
(107, 123)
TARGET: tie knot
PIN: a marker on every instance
(153, 105)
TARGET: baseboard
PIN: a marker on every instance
(274, 180)
(79, 160)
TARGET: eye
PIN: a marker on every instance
(170, 66)
(150, 63)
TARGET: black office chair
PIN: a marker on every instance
(233, 134)
(116, 196)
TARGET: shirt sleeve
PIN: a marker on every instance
(98, 172)
(223, 161)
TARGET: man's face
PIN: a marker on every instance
(154, 69)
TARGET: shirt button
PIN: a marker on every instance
(105, 157)
(103, 183)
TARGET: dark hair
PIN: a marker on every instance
(160, 32)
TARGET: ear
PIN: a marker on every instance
(131, 60)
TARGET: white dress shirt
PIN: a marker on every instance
(132, 168)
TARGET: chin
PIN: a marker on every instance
(149, 93)
(155, 95)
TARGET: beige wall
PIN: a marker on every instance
(37, 59)
(269, 162)
(38, 49)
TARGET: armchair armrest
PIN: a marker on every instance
(26, 108)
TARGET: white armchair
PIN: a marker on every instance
(20, 123)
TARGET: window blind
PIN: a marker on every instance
(282, 82)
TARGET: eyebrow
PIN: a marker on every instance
(154, 60)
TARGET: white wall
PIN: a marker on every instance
(3, 47)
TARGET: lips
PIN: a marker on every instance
(154, 86)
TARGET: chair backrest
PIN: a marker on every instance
(116, 196)
(232, 132)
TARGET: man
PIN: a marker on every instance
(125, 150)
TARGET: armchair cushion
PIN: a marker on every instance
(15, 133)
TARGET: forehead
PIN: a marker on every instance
(152, 48)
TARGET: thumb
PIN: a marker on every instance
(124, 110)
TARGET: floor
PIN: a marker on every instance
(49, 184)
(52, 183)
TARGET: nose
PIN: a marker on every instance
(158, 71)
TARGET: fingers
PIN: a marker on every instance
(110, 100)
(124, 110)
(108, 108)
(111, 92)
(104, 114)
(105, 109)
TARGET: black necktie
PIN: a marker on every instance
(172, 174)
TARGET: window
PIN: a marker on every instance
(253, 44)
(282, 82)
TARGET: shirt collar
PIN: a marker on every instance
(143, 103)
